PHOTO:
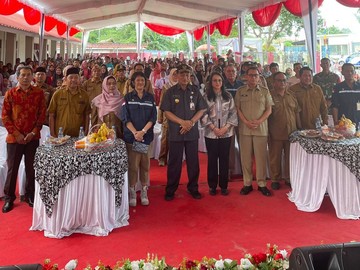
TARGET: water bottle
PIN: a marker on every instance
(114, 129)
(60, 133)
(47, 143)
(81, 133)
(318, 123)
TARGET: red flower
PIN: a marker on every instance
(203, 267)
(259, 258)
(272, 250)
(278, 256)
(189, 264)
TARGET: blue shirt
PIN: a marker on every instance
(345, 99)
(138, 111)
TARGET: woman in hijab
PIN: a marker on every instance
(108, 105)
(164, 147)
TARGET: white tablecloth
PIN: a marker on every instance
(86, 205)
(312, 175)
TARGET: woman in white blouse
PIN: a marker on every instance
(219, 121)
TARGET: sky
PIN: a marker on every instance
(339, 15)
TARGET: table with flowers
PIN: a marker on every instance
(78, 191)
(318, 167)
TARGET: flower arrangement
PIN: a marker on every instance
(272, 259)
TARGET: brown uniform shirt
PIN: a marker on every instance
(253, 103)
(312, 104)
(93, 88)
(282, 121)
(121, 86)
(70, 110)
(48, 93)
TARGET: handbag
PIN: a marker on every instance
(140, 147)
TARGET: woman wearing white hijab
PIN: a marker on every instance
(164, 148)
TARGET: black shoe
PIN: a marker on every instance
(30, 202)
(246, 190)
(169, 197)
(212, 191)
(195, 194)
(8, 206)
(275, 185)
(22, 198)
(264, 191)
(224, 191)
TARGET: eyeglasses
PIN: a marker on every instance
(253, 75)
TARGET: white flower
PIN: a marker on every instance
(135, 265)
(219, 264)
(284, 253)
(286, 264)
(228, 261)
(71, 265)
(148, 266)
(245, 264)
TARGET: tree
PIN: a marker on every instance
(285, 25)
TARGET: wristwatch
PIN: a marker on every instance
(143, 130)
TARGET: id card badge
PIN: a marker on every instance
(192, 106)
(358, 106)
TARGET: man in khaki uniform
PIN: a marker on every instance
(40, 78)
(284, 119)
(138, 67)
(93, 88)
(310, 98)
(69, 107)
(120, 78)
(274, 67)
(253, 103)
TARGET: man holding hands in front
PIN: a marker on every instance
(23, 115)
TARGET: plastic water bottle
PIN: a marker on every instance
(47, 143)
(81, 133)
(60, 133)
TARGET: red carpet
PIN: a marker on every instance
(228, 226)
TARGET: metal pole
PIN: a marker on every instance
(41, 36)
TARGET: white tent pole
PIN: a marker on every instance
(84, 42)
(190, 40)
(41, 36)
(208, 39)
(309, 11)
(67, 43)
(241, 30)
(138, 39)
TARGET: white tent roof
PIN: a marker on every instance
(184, 14)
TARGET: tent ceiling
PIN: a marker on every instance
(183, 14)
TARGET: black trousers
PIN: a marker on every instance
(15, 153)
(218, 172)
(176, 150)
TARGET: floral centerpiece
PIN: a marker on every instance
(272, 259)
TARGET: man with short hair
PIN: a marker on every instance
(253, 103)
(69, 107)
(120, 78)
(283, 120)
(326, 80)
(296, 78)
(311, 100)
(274, 67)
(93, 88)
(346, 97)
(23, 115)
(183, 106)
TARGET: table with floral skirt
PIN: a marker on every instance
(319, 167)
(78, 191)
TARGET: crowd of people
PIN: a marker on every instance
(258, 108)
